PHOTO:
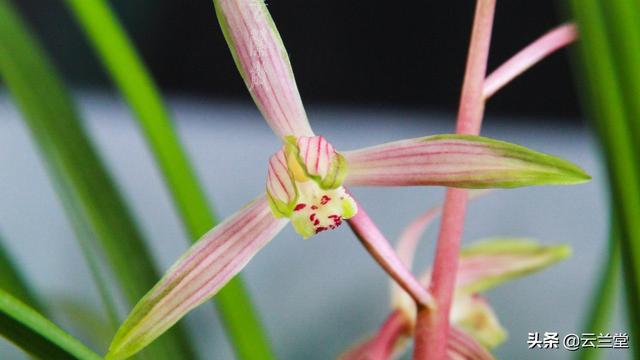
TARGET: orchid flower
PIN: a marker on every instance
(306, 183)
(475, 328)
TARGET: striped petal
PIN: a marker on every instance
(463, 161)
(264, 65)
(197, 276)
(281, 188)
(489, 263)
(321, 161)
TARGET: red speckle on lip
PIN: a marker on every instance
(313, 207)
(300, 207)
(324, 200)
(320, 229)
(312, 217)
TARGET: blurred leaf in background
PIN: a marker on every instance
(37, 335)
(94, 205)
(12, 281)
(610, 63)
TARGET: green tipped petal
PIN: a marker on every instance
(463, 161)
(489, 263)
(197, 276)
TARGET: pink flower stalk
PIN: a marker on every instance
(555, 39)
(307, 179)
(432, 328)
(475, 328)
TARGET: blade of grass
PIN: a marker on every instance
(38, 336)
(11, 281)
(604, 294)
(129, 74)
(76, 169)
(623, 26)
(612, 120)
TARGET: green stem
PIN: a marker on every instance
(130, 76)
(36, 335)
(604, 294)
(623, 28)
(613, 121)
(11, 281)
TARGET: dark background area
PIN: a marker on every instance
(376, 53)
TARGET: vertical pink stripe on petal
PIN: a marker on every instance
(317, 154)
(491, 262)
(264, 65)
(462, 161)
(280, 185)
(198, 275)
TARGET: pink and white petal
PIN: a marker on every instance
(317, 154)
(463, 161)
(280, 184)
(263, 62)
(463, 347)
(489, 263)
(197, 276)
(473, 315)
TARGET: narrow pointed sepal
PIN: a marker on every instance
(263, 62)
(489, 263)
(197, 276)
(463, 161)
